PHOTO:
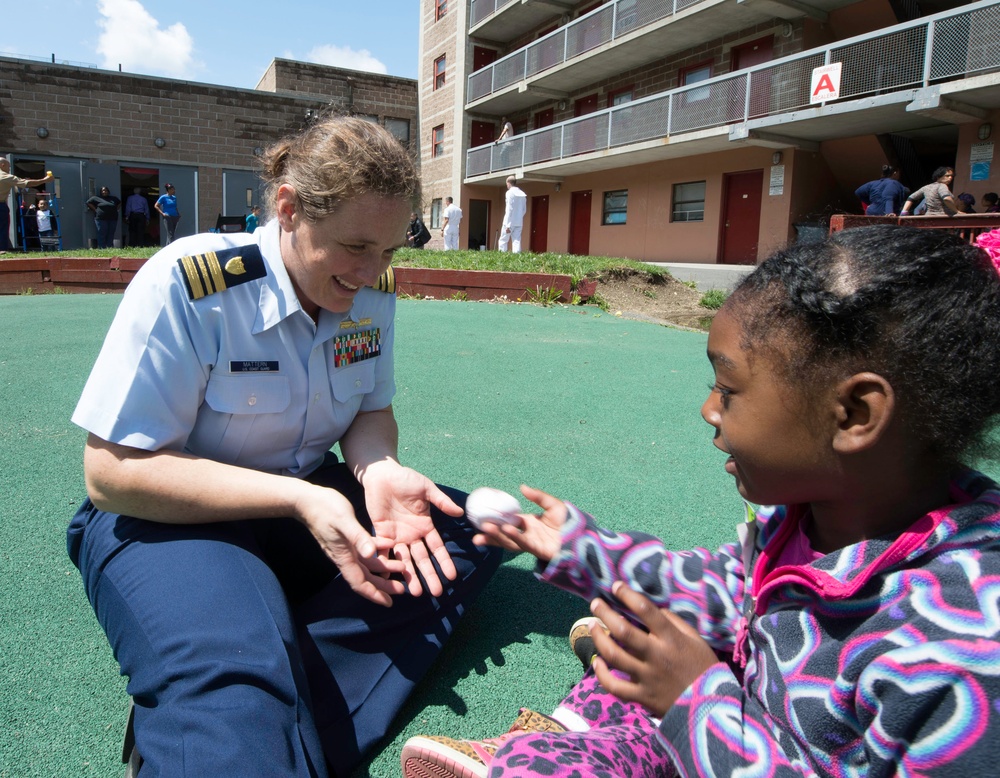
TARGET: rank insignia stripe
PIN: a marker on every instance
(386, 282)
(215, 271)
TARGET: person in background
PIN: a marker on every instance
(166, 206)
(936, 197)
(515, 206)
(884, 196)
(9, 183)
(44, 219)
(136, 217)
(271, 605)
(966, 202)
(503, 140)
(452, 218)
(417, 234)
(991, 202)
(253, 218)
(104, 206)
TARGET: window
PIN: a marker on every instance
(437, 141)
(440, 8)
(689, 202)
(439, 67)
(615, 207)
(693, 75)
(369, 117)
(619, 96)
(400, 128)
(436, 214)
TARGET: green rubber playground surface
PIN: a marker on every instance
(598, 410)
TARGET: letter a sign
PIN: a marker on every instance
(825, 83)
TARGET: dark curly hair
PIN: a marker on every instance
(919, 307)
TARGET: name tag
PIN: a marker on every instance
(253, 366)
(356, 347)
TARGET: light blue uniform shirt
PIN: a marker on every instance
(242, 376)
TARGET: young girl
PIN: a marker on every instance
(855, 628)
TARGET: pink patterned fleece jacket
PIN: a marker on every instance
(880, 659)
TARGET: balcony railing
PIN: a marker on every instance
(602, 25)
(484, 9)
(945, 46)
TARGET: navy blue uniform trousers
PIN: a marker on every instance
(246, 653)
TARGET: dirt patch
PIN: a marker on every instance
(664, 299)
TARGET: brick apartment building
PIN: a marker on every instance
(97, 128)
(697, 130)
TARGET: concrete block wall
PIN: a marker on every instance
(110, 116)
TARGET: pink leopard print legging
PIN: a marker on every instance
(622, 740)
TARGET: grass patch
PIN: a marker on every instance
(543, 296)
(575, 267)
(713, 299)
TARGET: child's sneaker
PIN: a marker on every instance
(581, 642)
(432, 756)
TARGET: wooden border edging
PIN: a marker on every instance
(42, 274)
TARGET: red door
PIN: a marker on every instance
(539, 224)
(746, 56)
(482, 56)
(540, 147)
(482, 133)
(544, 118)
(585, 105)
(741, 197)
(579, 223)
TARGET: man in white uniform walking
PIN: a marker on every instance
(449, 227)
(513, 217)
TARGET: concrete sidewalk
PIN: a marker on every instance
(707, 276)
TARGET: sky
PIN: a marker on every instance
(214, 42)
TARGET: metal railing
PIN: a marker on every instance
(480, 10)
(949, 45)
(600, 26)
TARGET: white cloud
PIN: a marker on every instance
(346, 57)
(132, 38)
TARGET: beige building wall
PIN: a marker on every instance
(442, 107)
(112, 117)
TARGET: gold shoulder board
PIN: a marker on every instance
(386, 282)
(214, 271)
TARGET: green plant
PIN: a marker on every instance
(649, 293)
(459, 297)
(575, 299)
(690, 284)
(543, 296)
(27, 291)
(713, 299)
(600, 302)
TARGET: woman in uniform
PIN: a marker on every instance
(272, 606)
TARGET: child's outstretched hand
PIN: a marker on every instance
(538, 535)
(659, 664)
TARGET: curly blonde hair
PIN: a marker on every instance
(339, 158)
